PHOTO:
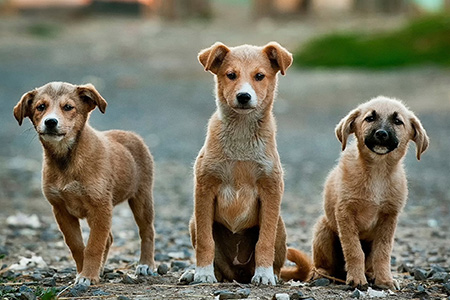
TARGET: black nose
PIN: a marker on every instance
(243, 98)
(51, 123)
(381, 134)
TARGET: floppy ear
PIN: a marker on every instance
(346, 127)
(212, 57)
(279, 57)
(92, 97)
(419, 136)
(23, 107)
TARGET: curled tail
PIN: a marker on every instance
(303, 269)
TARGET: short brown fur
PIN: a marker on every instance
(87, 172)
(365, 193)
(236, 224)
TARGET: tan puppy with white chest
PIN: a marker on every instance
(236, 229)
(366, 192)
(87, 172)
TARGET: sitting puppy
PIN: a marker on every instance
(366, 192)
(236, 229)
(87, 172)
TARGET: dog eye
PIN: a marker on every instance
(370, 119)
(68, 107)
(259, 76)
(398, 121)
(231, 75)
(41, 107)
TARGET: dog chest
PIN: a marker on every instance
(237, 197)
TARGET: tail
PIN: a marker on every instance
(303, 269)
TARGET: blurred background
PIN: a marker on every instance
(142, 57)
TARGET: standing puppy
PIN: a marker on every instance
(236, 229)
(87, 172)
(366, 192)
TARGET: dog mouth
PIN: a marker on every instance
(381, 148)
(243, 110)
(52, 136)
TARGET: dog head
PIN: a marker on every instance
(383, 126)
(245, 75)
(59, 110)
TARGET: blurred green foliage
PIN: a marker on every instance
(422, 41)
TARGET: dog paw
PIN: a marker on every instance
(387, 284)
(205, 274)
(264, 276)
(144, 270)
(187, 277)
(359, 282)
(80, 280)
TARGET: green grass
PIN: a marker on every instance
(423, 41)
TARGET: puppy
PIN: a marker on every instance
(236, 228)
(87, 172)
(365, 192)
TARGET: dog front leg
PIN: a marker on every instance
(100, 226)
(351, 247)
(270, 193)
(381, 252)
(70, 228)
(204, 241)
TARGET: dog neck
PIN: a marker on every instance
(245, 136)
(63, 153)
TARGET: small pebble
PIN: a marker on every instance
(356, 294)
(297, 296)
(112, 276)
(228, 295)
(179, 264)
(77, 290)
(420, 274)
(99, 292)
(123, 298)
(127, 279)
(440, 277)
(280, 296)
(187, 277)
(447, 288)
(243, 293)
(321, 282)
(163, 269)
(436, 259)
(49, 282)
(420, 288)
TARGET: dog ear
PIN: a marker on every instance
(279, 57)
(92, 97)
(346, 127)
(419, 136)
(23, 107)
(212, 57)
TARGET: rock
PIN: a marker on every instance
(37, 276)
(112, 276)
(357, 294)
(23, 220)
(100, 292)
(405, 268)
(244, 293)
(376, 294)
(440, 277)
(421, 295)
(436, 268)
(280, 296)
(226, 294)
(179, 264)
(78, 290)
(420, 274)
(297, 296)
(187, 277)
(446, 288)
(420, 288)
(163, 269)
(123, 298)
(25, 293)
(321, 282)
(393, 260)
(436, 259)
(438, 234)
(161, 257)
(49, 282)
(126, 279)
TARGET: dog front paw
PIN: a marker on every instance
(144, 270)
(387, 284)
(357, 281)
(205, 274)
(82, 281)
(264, 276)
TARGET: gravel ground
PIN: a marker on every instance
(148, 73)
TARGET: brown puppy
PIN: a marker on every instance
(366, 192)
(236, 229)
(87, 172)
